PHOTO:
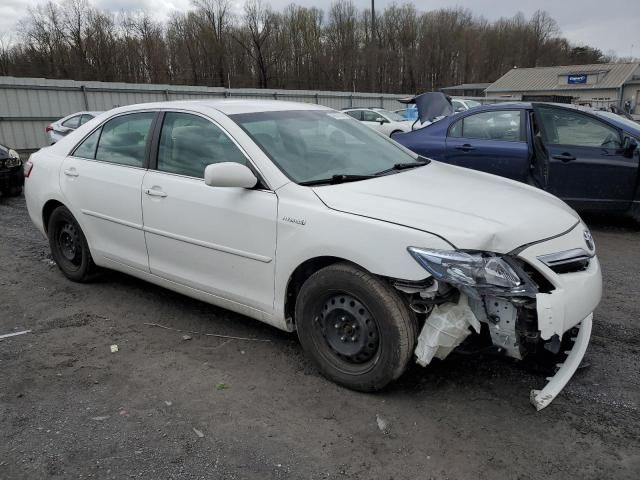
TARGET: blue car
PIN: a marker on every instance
(588, 158)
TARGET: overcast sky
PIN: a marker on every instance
(612, 25)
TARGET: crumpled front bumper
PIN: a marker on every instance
(575, 295)
(542, 398)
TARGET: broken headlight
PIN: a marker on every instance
(469, 269)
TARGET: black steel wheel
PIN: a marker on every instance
(348, 329)
(69, 247)
(355, 327)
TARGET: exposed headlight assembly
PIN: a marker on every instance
(13, 160)
(468, 269)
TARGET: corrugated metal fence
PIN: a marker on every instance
(28, 105)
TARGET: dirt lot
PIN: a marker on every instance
(157, 408)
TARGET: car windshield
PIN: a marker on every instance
(309, 145)
(394, 117)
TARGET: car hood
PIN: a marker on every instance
(469, 209)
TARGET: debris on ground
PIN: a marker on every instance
(383, 424)
(186, 337)
(207, 334)
(100, 419)
(198, 432)
(14, 334)
(114, 348)
(221, 386)
(168, 403)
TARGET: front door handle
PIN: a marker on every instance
(565, 157)
(465, 148)
(71, 172)
(155, 192)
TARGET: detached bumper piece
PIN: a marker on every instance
(542, 398)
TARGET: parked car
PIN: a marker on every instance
(384, 121)
(463, 104)
(11, 175)
(588, 158)
(303, 218)
(64, 126)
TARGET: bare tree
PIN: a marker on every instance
(300, 47)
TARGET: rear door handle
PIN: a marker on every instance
(155, 192)
(465, 148)
(565, 157)
(71, 172)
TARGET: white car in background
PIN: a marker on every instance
(301, 217)
(384, 121)
(463, 104)
(61, 128)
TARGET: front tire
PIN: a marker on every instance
(355, 327)
(69, 247)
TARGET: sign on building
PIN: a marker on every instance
(576, 79)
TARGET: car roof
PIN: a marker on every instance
(228, 106)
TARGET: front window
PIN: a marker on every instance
(188, 143)
(568, 127)
(317, 144)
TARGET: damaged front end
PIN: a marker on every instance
(495, 296)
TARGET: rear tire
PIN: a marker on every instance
(356, 328)
(69, 247)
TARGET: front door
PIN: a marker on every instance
(587, 166)
(101, 181)
(492, 142)
(214, 239)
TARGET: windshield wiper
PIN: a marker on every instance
(420, 162)
(335, 179)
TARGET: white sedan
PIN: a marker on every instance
(303, 218)
(384, 121)
(63, 127)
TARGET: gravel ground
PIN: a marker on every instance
(209, 407)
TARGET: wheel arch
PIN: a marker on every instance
(47, 210)
(300, 275)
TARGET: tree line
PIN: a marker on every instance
(403, 51)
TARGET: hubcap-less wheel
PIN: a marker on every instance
(355, 327)
(69, 247)
(348, 329)
(69, 244)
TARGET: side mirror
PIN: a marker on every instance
(381, 120)
(229, 174)
(629, 145)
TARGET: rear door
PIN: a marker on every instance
(492, 142)
(101, 181)
(587, 165)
